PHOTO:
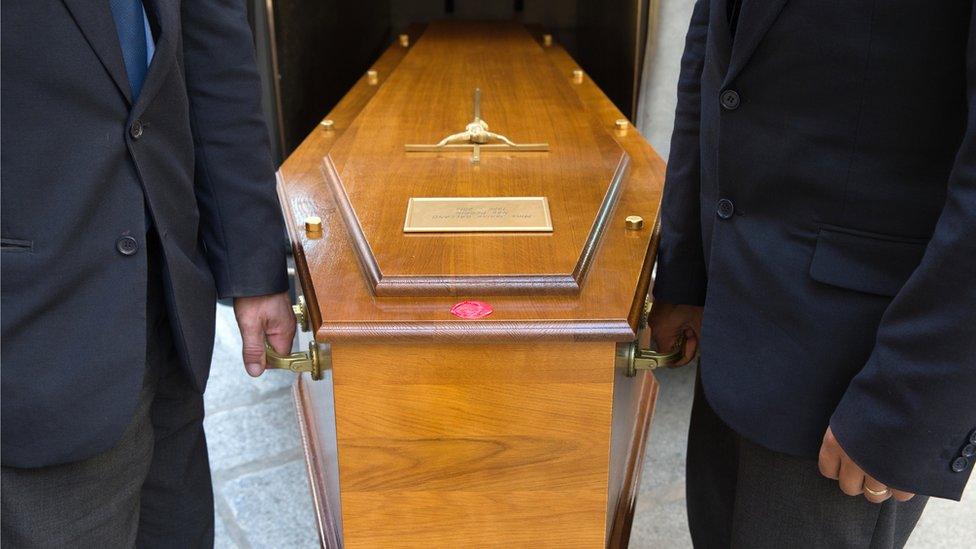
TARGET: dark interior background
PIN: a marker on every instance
(310, 52)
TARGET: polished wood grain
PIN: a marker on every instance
(632, 410)
(484, 284)
(299, 190)
(518, 430)
(344, 306)
(428, 97)
(416, 434)
(486, 445)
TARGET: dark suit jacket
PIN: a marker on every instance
(82, 166)
(825, 215)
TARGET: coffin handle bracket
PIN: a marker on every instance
(313, 361)
(646, 359)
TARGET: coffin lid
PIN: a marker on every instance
(594, 175)
(429, 96)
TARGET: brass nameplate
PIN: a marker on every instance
(488, 214)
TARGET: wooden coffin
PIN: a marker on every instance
(516, 429)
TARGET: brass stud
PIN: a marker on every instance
(547, 40)
(622, 124)
(313, 225)
(327, 124)
(634, 222)
(578, 76)
(372, 77)
(405, 40)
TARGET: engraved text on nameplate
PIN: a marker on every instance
(481, 214)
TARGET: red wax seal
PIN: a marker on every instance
(470, 310)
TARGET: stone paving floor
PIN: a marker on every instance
(262, 492)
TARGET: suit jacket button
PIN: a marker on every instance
(959, 464)
(136, 129)
(972, 437)
(968, 450)
(730, 100)
(126, 245)
(725, 208)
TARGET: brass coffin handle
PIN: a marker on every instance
(646, 359)
(312, 361)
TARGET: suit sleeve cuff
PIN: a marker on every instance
(265, 276)
(900, 456)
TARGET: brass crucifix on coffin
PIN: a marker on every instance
(476, 138)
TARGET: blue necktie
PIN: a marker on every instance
(130, 25)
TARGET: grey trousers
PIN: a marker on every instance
(741, 494)
(152, 489)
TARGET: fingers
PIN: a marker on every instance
(280, 326)
(690, 350)
(899, 495)
(252, 334)
(874, 491)
(829, 463)
(667, 321)
(851, 478)
(281, 342)
(264, 318)
(835, 464)
(665, 325)
(663, 339)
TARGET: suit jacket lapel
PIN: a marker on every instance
(167, 18)
(96, 23)
(755, 18)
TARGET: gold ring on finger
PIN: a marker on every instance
(876, 493)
